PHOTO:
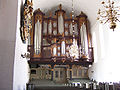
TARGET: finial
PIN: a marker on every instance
(31, 2)
(55, 40)
(50, 14)
(82, 13)
(60, 6)
(25, 1)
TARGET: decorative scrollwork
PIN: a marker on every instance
(26, 22)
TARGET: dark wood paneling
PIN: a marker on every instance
(46, 57)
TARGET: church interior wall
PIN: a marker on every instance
(14, 71)
(106, 54)
(8, 19)
(21, 67)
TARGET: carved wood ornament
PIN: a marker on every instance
(55, 37)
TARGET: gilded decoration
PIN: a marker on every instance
(60, 31)
(51, 40)
(26, 20)
(38, 18)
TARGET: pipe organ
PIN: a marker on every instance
(51, 35)
(49, 41)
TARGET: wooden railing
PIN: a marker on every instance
(80, 86)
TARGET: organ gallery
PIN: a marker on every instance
(59, 45)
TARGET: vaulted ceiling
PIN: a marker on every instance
(89, 7)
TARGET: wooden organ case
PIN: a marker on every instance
(50, 37)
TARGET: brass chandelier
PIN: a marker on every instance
(73, 49)
(109, 14)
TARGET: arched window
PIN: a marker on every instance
(95, 46)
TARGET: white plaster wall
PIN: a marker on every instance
(21, 68)
(8, 13)
(106, 65)
(89, 7)
(11, 47)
